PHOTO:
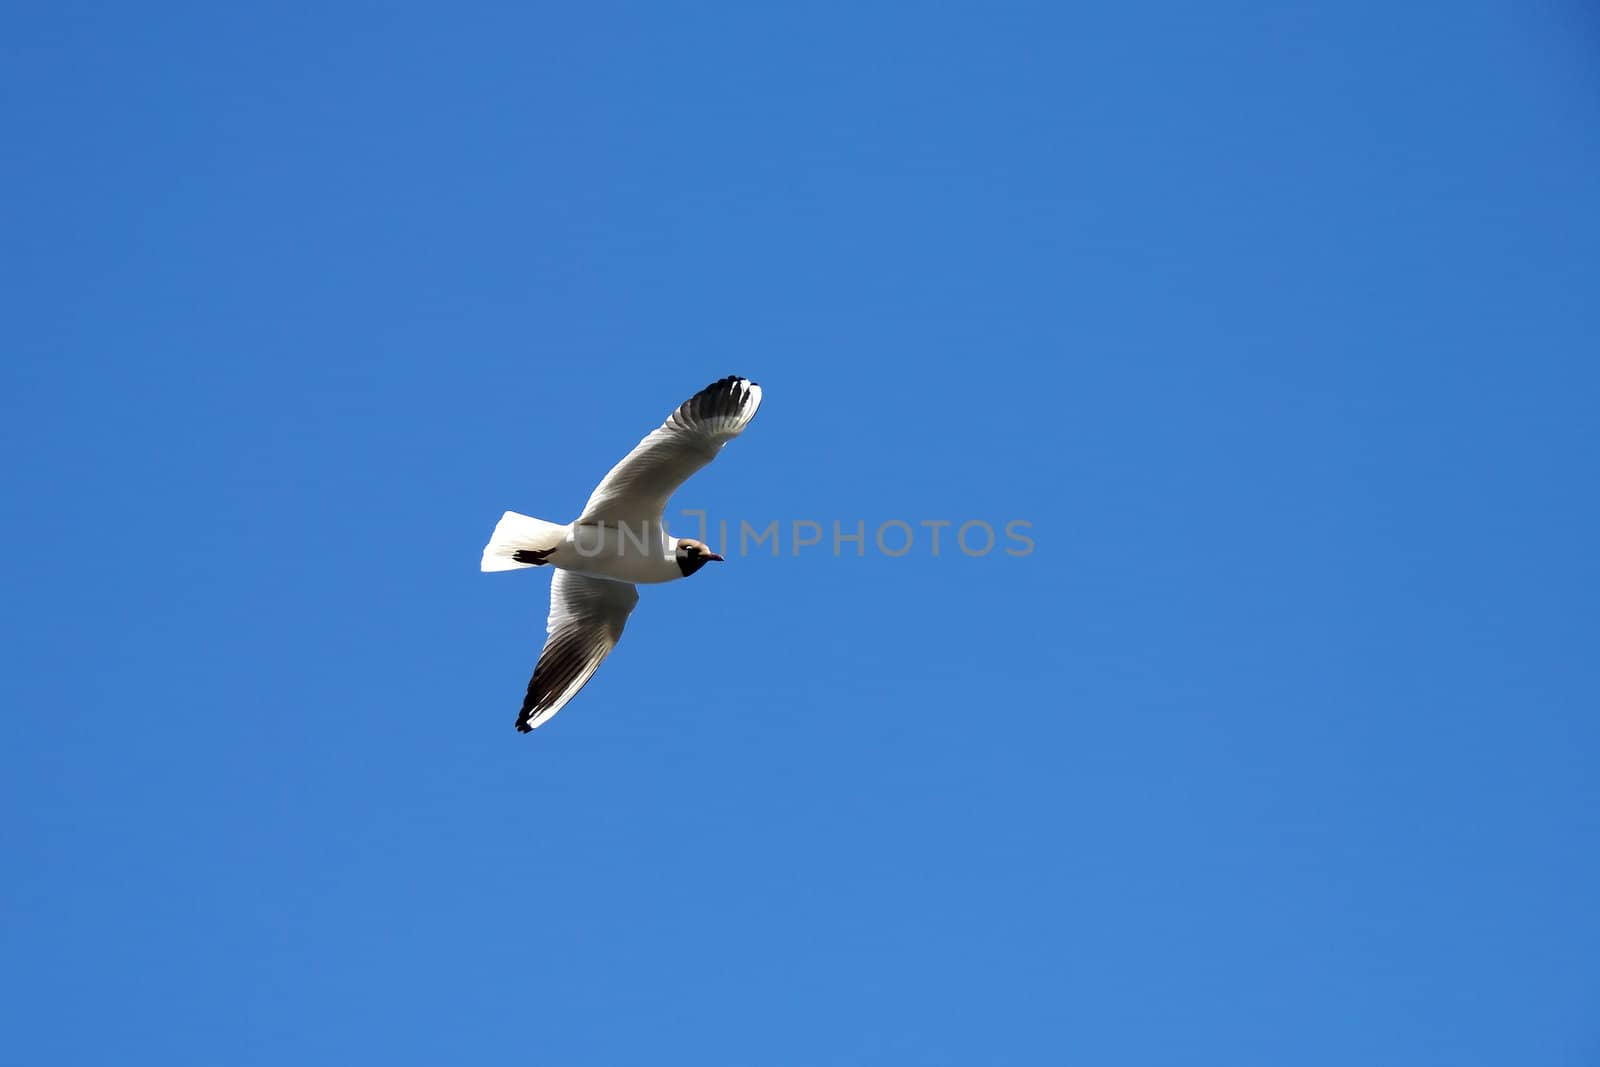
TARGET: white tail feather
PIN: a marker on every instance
(515, 533)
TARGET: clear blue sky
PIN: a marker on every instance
(1278, 325)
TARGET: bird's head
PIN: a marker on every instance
(692, 555)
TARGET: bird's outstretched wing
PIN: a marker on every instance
(586, 620)
(637, 489)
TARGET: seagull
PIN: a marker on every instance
(617, 544)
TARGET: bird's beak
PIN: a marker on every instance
(714, 558)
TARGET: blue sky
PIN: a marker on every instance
(1277, 326)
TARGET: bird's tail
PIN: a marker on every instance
(521, 541)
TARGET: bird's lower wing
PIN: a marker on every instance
(586, 620)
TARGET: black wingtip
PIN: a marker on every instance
(525, 716)
(722, 398)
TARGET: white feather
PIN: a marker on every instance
(514, 533)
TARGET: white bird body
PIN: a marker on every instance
(639, 552)
(642, 553)
(619, 541)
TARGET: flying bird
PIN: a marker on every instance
(618, 543)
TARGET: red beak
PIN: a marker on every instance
(714, 558)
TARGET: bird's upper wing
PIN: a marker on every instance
(586, 619)
(637, 489)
